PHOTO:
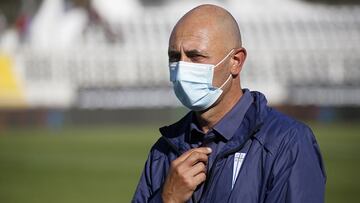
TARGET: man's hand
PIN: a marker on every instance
(185, 174)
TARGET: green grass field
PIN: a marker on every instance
(103, 164)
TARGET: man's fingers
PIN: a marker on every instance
(183, 157)
(199, 178)
(198, 168)
(196, 157)
(205, 150)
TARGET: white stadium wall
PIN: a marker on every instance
(297, 54)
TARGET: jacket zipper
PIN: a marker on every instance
(209, 180)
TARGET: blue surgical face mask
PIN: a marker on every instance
(192, 84)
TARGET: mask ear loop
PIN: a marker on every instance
(227, 80)
(224, 58)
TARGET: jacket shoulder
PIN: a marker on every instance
(160, 149)
(280, 129)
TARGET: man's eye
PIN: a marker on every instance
(197, 58)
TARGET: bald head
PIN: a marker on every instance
(220, 20)
(212, 26)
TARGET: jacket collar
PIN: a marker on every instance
(176, 133)
(228, 124)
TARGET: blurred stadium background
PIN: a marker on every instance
(84, 86)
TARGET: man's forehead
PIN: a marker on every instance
(198, 39)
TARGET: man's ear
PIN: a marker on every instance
(238, 60)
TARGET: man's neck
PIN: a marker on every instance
(207, 119)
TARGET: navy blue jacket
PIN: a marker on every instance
(282, 163)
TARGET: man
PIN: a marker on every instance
(231, 147)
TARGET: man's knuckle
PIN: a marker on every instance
(192, 158)
(202, 177)
(196, 154)
(203, 166)
(203, 157)
(177, 171)
(173, 164)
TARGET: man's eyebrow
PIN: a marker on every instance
(195, 52)
(192, 52)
